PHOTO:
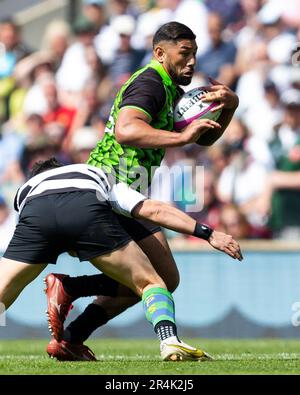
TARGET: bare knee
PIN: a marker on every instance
(158, 251)
(168, 280)
(145, 276)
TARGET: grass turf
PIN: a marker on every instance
(130, 357)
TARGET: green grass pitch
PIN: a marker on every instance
(130, 357)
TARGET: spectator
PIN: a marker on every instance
(90, 108)
(122, 7)
(148, 23)
(83, 141)
(126, 59)
(11, 146)
(39, 68)
(282, 193)
(230, 10)
(35, 133)
(11, 51)
(37, 145)
(56, 112)
(256, 67)
(249, 25)
(11, 176)
(23, 82)
(10, 37)
(75, 70)
(56, 40)
(107, 40)
(218, 61)
(88, 113)
(243, 179)
(97, 69)
(193, 13)
(95, 11)
(263, 115)
(217, 158)
(233, 222)
(274, 31)
(55, 134)
(210, 213)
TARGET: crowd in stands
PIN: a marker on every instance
(55, 101)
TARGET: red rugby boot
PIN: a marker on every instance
(65, 351)
(59, 303)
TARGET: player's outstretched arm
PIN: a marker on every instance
(170, 217)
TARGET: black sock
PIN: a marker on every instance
(84, 325)
(98, 284)
(165, 329)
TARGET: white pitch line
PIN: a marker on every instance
(217, 357)
(99, 356)
(128, 358)
(25, 357)
(253, 356)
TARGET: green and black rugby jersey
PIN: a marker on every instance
(151, 91)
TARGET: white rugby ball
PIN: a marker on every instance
(190, 107)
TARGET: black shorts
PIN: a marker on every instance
(74, 221)
(138, 229)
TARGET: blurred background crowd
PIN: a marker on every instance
(55, 100)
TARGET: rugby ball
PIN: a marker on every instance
(190, 107)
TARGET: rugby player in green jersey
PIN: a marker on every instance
(138, 131)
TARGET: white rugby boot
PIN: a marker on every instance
(172, 349)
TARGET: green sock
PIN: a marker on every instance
(158, 305)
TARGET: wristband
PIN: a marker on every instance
(202, 231)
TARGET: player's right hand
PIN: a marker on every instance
(196, 129)
(226, 243)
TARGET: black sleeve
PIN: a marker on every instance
(146, 92)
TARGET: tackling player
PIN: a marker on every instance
(66, 209)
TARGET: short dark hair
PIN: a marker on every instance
(44, 165)
(173, 31)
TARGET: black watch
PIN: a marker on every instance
(202, 231)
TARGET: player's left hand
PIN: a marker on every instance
(219, 92)
(225, 243)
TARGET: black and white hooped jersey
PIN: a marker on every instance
(74, 177)
(63, 179)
